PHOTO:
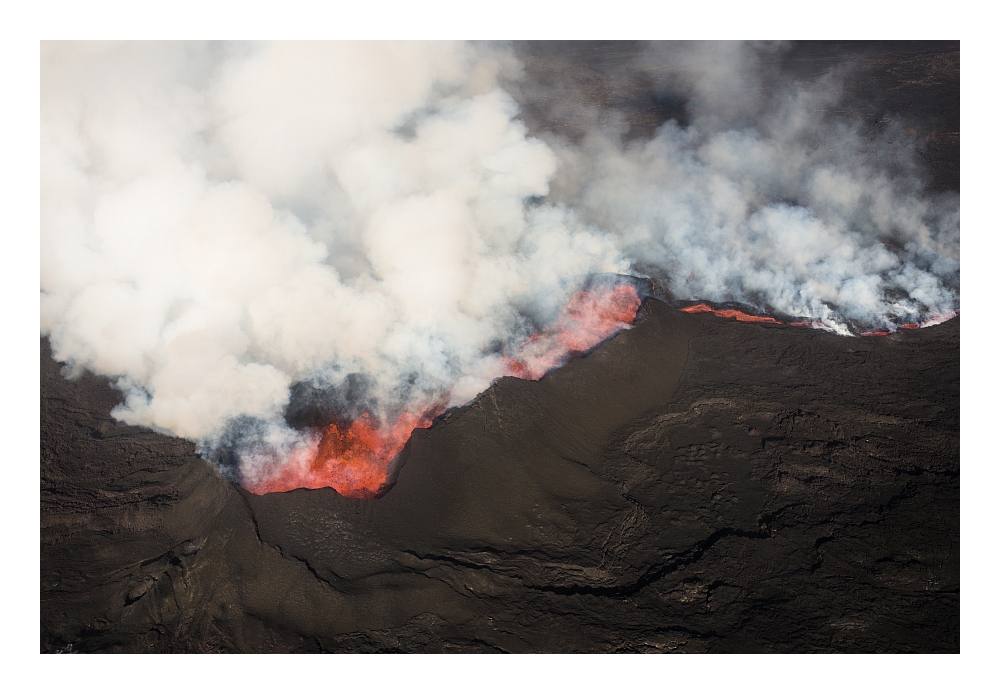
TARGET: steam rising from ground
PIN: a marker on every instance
(222, 222)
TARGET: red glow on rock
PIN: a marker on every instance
(590, 317)
(936, 320)
(698, 308)
(749, 318)
(353, 458)
(730, 313)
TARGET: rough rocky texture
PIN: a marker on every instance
(695, 484)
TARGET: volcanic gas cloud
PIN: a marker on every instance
(227, 225)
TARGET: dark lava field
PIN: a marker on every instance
(694, 484)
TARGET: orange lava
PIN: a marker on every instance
(935, 320)
(352, 458)
(590, 317)
(748, 318)
(732, 313)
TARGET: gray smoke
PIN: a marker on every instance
(221, 222)
(765, 198)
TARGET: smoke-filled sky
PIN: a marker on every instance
(221, 222)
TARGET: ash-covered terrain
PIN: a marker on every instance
(695, 484)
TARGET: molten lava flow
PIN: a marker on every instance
(748, 318)
(730, 313)
(590, 317)
(352, 458)
(936, 320)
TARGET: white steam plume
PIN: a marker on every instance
(220, 222)
(764, 199)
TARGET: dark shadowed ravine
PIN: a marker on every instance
(695, 484)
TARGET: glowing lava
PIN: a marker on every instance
(936, 320)
(352, 458)
(731, 313)
(749, 318)
(590, 317)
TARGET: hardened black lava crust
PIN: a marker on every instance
(695, 484)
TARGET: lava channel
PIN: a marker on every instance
(936, 320)
(733, 313)
(590, 317)
(750, 318)
(354, 457)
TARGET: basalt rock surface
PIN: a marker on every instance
(695, 484)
